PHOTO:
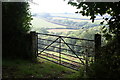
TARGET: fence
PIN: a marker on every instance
(69, 54)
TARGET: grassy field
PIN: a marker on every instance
(69, 15)
(75, 20)
(78, 16)
(61, 30)
(41, 69)
(39, 23)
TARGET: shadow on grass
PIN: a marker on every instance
(41, 69)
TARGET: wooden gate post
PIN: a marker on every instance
(34, 45)
(97, 46)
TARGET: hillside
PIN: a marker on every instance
(38, 23)
(62, 22)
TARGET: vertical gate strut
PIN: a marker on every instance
(59, 50)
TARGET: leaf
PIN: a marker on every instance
(106, 19)
(103, 27)
(72, 3)
(108, 36)
(102, 22)
(77, 12)
(104, 31)
(84, 7)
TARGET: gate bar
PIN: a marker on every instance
(49, 45)
(73, 51)
(65, 37)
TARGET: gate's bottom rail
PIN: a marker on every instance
(65, 64)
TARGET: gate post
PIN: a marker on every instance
(59, 50)
(34, 45)
(97, 46)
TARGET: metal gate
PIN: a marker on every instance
(67, 51)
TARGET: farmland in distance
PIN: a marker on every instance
(61, 22)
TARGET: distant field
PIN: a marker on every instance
(39, 23)
(61, 30)
(76, 20)
(75, 17)
(79, 16)
(67, 15)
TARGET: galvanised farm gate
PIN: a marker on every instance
(67, 51)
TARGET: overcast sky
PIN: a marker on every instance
(52, 6)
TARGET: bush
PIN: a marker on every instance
(108, 66)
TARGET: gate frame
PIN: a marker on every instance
(34, 36)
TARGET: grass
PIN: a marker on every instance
(41, 69)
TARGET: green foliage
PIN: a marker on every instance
(94, 8)
(16, 15)
(108, 64)
(16, 23)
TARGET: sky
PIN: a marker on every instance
(52, 6)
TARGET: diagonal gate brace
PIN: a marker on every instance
(72, 51)
(48, 45)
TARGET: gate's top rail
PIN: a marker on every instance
(66, 37)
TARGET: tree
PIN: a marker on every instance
(108, 64)
(99, 8)
(16, 23)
